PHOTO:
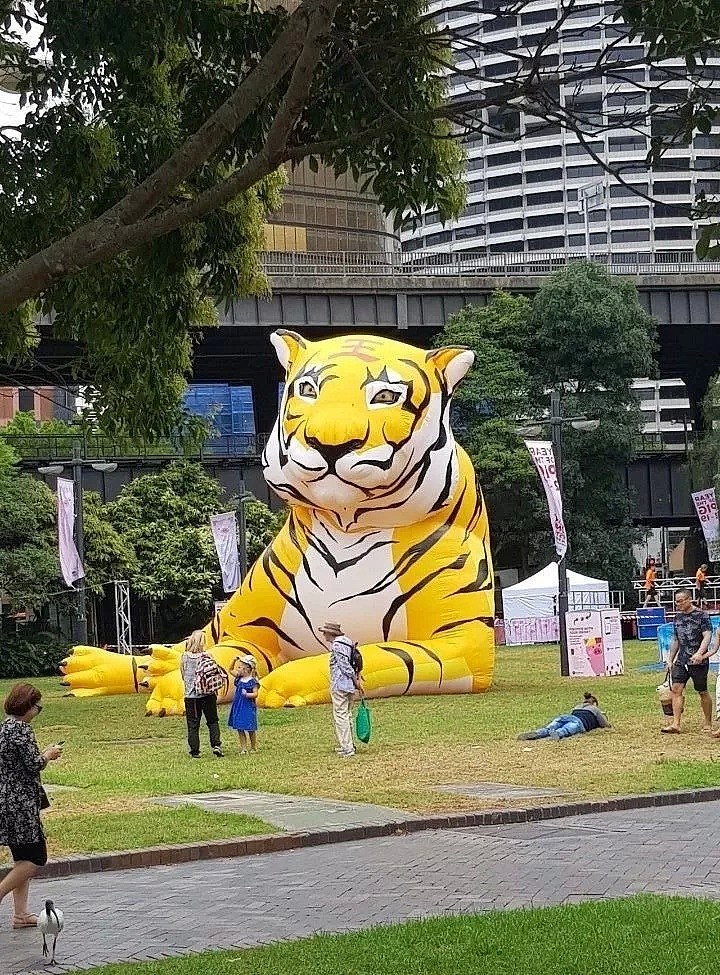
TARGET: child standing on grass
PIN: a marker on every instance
(243, 713)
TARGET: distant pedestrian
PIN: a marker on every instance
(689, 658)
(243, 713)
(22, 797)
(700, 583)
(202, 678)
(587, 716)
(651, 590)
(345, 683)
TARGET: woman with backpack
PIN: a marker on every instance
(345, 681)
(203, 678)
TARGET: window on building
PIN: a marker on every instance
(547, 244)
(538, 127)
(671, 187)
(673, 233)
(628, 77)
(442, 238)
(629, 236)
(630, 213)
(584, 172)
(573, 217)
(510, 179)
(503, 159)
(672, 210)
(677, 415)
(629, 100)
(543, 152)
(467, 233)
(706, 162)
(576, 240)
(475, 164)
(506, 226)
(507, 247)
(504, 203)
(598, 238)
(472, 209)
(674, 392)
(575, 149)
(230, 407)
(711, 186)
(644, 395)
(543, 199)
(499, 23)
(539, 17)
(628, 143)
(546, 220)
(620, 191)
(544, 176)
(26, 400)
(502, 70)
(711, 141)
(413, 245)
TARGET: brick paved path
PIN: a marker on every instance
(139, 914)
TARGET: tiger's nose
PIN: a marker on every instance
(331, 453)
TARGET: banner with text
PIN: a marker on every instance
(224, 530)
(70, 564)
(543, 457)
(706, 507)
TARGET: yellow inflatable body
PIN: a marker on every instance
(387, 535)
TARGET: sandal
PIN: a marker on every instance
(24, 921)
(670, 730)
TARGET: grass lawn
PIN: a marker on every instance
(116, 758)
(638, 936)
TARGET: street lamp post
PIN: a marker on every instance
(556, 437)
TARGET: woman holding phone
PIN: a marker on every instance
(22, 797)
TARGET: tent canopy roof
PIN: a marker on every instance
(547, 579)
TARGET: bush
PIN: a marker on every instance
(31, 655)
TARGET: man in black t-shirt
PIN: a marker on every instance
(689, 658)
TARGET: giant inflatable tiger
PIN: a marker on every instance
(387, 535)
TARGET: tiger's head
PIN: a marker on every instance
(364, 430)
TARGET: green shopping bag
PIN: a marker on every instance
(363, 722)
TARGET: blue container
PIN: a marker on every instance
(665, 634)
(648, 621)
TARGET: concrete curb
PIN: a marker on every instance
(274, 843)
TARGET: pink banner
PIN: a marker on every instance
(544, 459)
(224, 529)
(70, 564)
(706, 507)
(540, 630)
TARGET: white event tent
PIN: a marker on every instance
(528, 602)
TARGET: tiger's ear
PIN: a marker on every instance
(453, 362)
(287, 345)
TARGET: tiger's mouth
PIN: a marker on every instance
(371, 470)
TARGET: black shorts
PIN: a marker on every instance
(32, 852)
(698, 673)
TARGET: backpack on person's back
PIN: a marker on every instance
(210, 678)
(356, 659)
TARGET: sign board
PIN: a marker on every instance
(706, 506)
(595, 643)
(591, 196)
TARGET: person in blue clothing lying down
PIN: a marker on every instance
(587, 716)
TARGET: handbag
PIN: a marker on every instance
(363, 722)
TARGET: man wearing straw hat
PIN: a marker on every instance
(344, 682)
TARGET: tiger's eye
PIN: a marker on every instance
(307, 389)
(385, 397)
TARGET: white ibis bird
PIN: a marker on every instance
(50, 922)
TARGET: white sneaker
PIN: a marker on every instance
(344, 754)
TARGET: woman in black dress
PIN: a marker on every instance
(22, 797)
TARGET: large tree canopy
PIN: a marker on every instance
(586, 335)
(132, 194)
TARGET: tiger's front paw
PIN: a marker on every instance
(296, 684)
(168, 696)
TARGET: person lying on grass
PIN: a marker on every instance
(587, 716)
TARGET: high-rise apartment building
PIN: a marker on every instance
(523, 194)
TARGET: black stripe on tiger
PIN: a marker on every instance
(400, 600)
(411, 556)
(481, 582)
(486, 620)
(433, 656)
(272, 625)
(406, 659)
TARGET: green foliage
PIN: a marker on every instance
(586, 334)
(28, 546)
(705, 455)
(108, 553)
(164, 518)
(27, 653)
(112, 88)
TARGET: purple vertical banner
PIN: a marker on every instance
(70, 564)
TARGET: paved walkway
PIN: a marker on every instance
(141, 914)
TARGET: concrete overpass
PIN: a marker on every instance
(319, 294)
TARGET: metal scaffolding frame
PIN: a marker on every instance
(123, 622)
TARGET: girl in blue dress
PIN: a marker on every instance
(243, 713)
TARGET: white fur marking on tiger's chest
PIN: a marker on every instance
(364, 564)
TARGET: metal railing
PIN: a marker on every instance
(668, 587)
(656, 443)
(448, 263)
(57, 447)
